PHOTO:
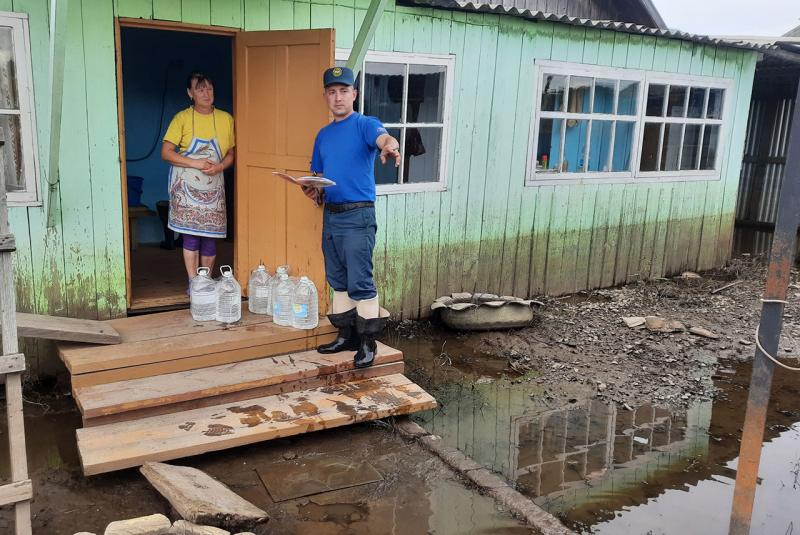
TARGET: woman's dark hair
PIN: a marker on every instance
(200, 77)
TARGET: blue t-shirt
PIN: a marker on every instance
(345, 152)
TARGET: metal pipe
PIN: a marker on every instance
(780, 265)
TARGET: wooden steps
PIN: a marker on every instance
(173, 392)
(175, 387)
(171, 436)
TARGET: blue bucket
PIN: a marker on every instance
(135, 188)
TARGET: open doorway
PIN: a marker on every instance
(155, 64)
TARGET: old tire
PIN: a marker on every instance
(484, 318)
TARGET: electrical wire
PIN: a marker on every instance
(764, 351)
(156, 138)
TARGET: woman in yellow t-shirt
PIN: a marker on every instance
(198, 146)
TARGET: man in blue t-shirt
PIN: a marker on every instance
(345, 151)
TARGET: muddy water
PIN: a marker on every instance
(606, 469)
(416, 494)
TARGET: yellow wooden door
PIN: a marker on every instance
(279, 110)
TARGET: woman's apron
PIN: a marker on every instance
(196, 200)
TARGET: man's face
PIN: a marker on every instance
(340, 99)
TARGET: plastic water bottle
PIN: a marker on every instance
(273, 283)
(282, 301)
(229, 297)
(258, 291)
(305, 305)
(203, 301)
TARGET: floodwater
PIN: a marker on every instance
(416, 494)
(605, 469)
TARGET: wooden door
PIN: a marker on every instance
(279, 110)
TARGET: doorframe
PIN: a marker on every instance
(120, 22)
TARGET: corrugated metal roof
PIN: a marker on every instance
(627, 27)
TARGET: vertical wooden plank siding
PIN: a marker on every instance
(487, 231)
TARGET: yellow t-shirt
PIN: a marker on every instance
(219, 125)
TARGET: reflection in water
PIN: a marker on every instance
(605, 469)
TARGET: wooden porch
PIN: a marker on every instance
(175, 387)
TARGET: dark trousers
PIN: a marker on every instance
(348, 239)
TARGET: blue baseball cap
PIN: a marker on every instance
(338, 75)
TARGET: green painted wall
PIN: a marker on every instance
(487, 232)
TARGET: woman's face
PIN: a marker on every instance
(202, 93)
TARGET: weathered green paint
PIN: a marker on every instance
(485, 232)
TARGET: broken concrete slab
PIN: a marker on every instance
(145, 525)
(663, 325)
(634, 321)
(202, 499)
(702, 331)
(451, 456)
(408, 428)
(183, 527)
(486, 479)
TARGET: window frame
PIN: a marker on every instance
(404, 58)
(18, 22)
(644, 78)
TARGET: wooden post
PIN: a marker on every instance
(19, 492)
(365, 33)
(58, 38)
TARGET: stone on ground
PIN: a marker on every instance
(145, 525)
(201, 499)
(183, 527)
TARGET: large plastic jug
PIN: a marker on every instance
(258, 290)
(282, 301)
(273, 283)
(229, 297)
(305, 305)
(203, 301)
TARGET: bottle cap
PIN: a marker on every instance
(304, 279)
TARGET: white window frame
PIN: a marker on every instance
(446, 60)
(18, 22)
(645, 78)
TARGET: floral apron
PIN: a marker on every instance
(196, 200)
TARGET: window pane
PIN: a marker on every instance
(650, 144)
(575, 145)
(549, 144)
(388, 173)
(11, 153)
(715, 97)
(599, 145)
(628, 91)
(676, 107)
(671, 146)
(708, 152)
(383, 91)
(697, 97)
(580, 88)
(691, 144)
(425, 94)
(8, 74)
(623, 146)
(423, 152)
(604, 95)
(553, 92)
(655, 100)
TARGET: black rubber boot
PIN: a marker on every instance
(347, 340)
(368, 330)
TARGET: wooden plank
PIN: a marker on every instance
(70, 329)
(12, 363)
(201, 499)
(175, 323)
(256, 15)
(7, 243)
(541, 236)
(139, 9)
(103, 144)
(200, 361)
(19, 491)
(377, 370)
(167, 10)
(81, 358)
(111, 398)
(160, 438)
(555, 240)
(196, 11)
(227, 13)
(411, 259)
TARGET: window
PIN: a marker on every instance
(411, 95)
(17, 142)
(604, 124)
